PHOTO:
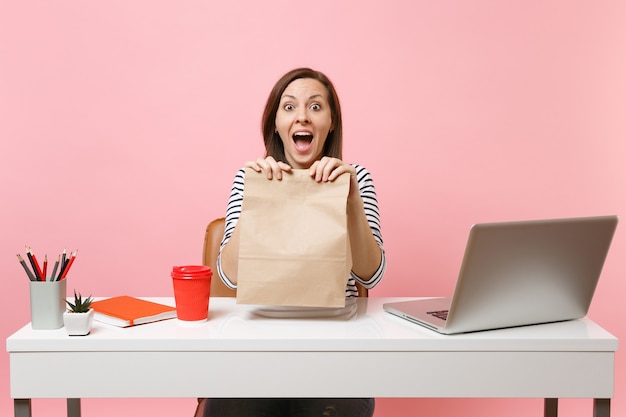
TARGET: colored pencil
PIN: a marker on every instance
(31, 259)
(69, 264)
(45, 268)
(64, 261)
(54, 270)
(30, 274)
(38, 269)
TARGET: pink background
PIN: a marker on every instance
(122, 124)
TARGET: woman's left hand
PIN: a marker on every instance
(328, 169)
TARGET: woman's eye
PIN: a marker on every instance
(288, 107)
(315, 106)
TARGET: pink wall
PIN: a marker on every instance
(122, 124)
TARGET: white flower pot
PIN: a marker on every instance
(78, 324)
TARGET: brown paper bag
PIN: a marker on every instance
(294, 247)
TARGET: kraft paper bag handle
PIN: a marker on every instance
(294, 246)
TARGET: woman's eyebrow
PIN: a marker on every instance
(314, 96)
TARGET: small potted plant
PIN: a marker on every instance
(79, 316)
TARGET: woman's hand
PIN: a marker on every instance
(271, 167)
(328, 169)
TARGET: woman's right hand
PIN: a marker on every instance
(271, 167)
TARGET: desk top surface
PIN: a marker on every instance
(235, 327)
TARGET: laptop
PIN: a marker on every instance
(519, 273)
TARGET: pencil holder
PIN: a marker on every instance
(47, 304)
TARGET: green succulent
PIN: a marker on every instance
(80, 305)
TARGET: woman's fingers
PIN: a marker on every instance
(328, 169)
(271, 167)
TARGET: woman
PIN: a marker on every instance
(302, 129)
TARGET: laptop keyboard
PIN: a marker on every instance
(440, 314)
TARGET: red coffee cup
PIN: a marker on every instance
(192, 288)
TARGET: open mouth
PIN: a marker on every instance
(302, 140)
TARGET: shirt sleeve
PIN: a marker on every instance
(372, 213)
(233, 212)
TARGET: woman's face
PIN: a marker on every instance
(303, 121)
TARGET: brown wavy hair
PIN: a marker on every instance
(273, 144)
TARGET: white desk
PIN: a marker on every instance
(239, 354)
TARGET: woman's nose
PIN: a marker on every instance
(303, 116)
